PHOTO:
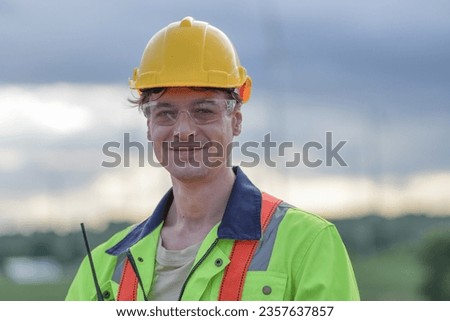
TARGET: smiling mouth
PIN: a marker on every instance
(185, 149)
(185, 146)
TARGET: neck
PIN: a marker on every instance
(197, 206)
(201, 203)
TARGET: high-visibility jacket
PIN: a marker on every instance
(299, 256)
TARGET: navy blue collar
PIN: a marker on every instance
(241, 220)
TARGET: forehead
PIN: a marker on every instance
(186, 94)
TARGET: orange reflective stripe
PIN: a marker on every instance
(234, 276)
(128, 283)
(241, 255)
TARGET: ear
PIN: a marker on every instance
(237, 122)
(149, 136)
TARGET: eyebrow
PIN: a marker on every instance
(162, 105)
(196, 101)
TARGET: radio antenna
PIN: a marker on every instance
(91, 262)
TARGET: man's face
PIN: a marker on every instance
(192, 131)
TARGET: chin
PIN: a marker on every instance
(189, 173)
(190, 166)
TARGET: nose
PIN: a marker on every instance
(184, 126)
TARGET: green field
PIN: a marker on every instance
(395, 274)
(10, 291)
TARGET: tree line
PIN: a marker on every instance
(363, 236)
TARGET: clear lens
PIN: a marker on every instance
(201, 112)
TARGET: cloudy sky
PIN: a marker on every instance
(375, 74)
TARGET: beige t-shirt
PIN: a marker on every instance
(172, 269)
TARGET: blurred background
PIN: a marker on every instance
(374, 74)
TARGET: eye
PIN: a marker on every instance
(165, 113)
(206, 108)
(203, 111)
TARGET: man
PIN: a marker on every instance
(214, 235)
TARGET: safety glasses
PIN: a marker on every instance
(201, 112)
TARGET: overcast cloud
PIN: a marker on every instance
(376, 74)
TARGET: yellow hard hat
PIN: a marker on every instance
(191, 53)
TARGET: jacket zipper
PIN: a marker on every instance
(134, 266)
(196, 267)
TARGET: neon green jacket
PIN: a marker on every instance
(300, 256)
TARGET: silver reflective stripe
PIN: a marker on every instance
(119, 268)
(261, 259)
